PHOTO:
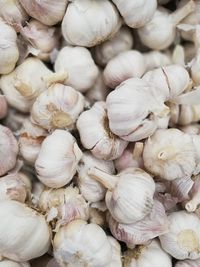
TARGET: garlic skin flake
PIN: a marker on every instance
(48, 12)
(79, 65)
(8, 150)
(125, 65)
(129, 197)
(90, 189)
(9, 52)
(19, 245)
(136, 13)
(8, 263)
(95, 133)
(80, 15)
(183, 239)
(3, 107)
(57, 107)
(151, 255)
(58, 158)
(70, 245)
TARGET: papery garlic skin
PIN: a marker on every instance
(8, 263)
(116, 253)
(69, 245)
(95, 133)
(80, 15)
(57, 107)
(120, 42)
(155, 59)
(19, 245)
(136, 13)
(134, 110)
(9, 52)
(24, 84)
(79, 65)
(47, 11)
(3, 107)
(123, 66)
(90, 189)
(170, 154)
(8, 150)
(183, 239)
(57, 160)
(151, 255)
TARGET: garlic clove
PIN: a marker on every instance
(3, 107)
(9, 263)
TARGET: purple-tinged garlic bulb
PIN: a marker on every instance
(3, 107)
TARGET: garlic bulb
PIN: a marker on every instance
(156, 59)
(19, 245)
(90, 189)
(70, 245)
(170, 154)
(24, 84)
(160, 32)
(125, 65)
(64, 205)
(58, 157)
(3, 107)
(8, 263)
(57, 107)
(77, 62)
(80, 15)
(136, 13)
(116, 253)
(48, 12)
(188, 263)
(8, 48)
(8, 150)
(183, 239)
(30, 140)
(134, 110)
(130, 193)
(195, 68)
(120, 42)
(95, 133)
(151, 255)
(131, 157)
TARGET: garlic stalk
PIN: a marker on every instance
(95, 133)
(155, 59)
(90, 189)
(193, 18)
(3, 107)
(80, 15)
(77, 62)
(57, 107)
(151, 255)
(69, 245)
(58, 158)
(123, 66)
(48, 12)
(19, 245)
(136, 13)
(120, 42)
(160, 32)
(183, 239)
(8, 150)
(9, 263)
(129, 197)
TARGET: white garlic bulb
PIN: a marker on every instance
(95, 133)
(90, 189)
(57, 107)
(120, 42)
(155, 59)
(80, 15)
(57, 160)
(77, 62)
(8, 150)
(188, 263)
(70, 245)
(19, 245)
(63, 205)
(195, 68)
(116, 253)
(9, 52)
(48, 12)
(136, 13)
(130, 193)
(151, 255)
(3, 107)
(160, 32)
(8, 263)
(134, 110)
(183, 239)
(125, 65)
(30, 140)
(24, 84)
(170, 154)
